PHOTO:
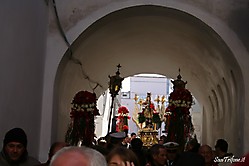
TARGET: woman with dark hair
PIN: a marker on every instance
(121, 156)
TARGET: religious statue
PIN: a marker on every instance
(149, 120)
(148, 108)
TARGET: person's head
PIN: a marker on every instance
(101, 141)
(221, 147)
(158, 154)
(171, 150)
(121, 154)
(192, 145)
(207, 152)
(136, 144)
(115, 139)
(75, 156)
(164, 138)
(55, 147)
(133, 135)
(127, 140)
(15, 145)
(160, 141)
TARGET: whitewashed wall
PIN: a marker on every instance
(23, 34)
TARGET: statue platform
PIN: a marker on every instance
(148, 136)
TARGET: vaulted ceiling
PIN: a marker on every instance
(152, 39)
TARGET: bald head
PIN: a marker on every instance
(205, 148)
(207, 152)
(78, 156)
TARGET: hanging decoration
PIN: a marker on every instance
(123, 117)
(178, 125)
(81, 127)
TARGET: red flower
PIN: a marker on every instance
(123, 110)
(84, 97)
(181, 94)
(85, 101)
(120, 117)
(125, 127)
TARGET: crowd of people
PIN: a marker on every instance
(116, 149)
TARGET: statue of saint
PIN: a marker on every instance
(148, 111)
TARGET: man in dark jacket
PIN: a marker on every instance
(14, 152)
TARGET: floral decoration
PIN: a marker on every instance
(123, 116)
(181, 97)
(125, 128)
(178, 123)
(81, 127)
(122, 110)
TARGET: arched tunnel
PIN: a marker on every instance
(160, 40)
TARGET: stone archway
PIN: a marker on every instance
(229, 81)
(155, 39)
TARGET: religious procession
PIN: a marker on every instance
(171, 144)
